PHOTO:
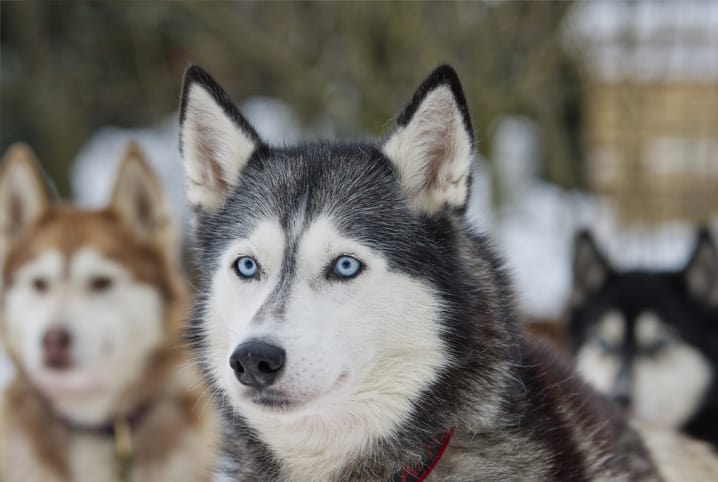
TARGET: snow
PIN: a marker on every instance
(94, 169)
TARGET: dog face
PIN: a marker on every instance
(321, 261)
(334, 346)
(644, 338)
(84, 292)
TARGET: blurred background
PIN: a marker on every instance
(597, 114)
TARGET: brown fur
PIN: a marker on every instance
(25, 412)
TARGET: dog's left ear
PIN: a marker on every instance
(139, 200)
(701, 272)
(432, 145)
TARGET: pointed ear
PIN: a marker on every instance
(590, 268)
(701, 272)
(432, 145)
(139, 200)
(24, 193)
(215, 140)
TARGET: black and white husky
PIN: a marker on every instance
(356, 329)
(649, 339)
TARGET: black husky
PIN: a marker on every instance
(650, 339)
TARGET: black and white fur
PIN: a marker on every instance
(422, 339)
(649, 339)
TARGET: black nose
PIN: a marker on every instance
(623, 386)
(56, 348)
(623, 400)
(257, 364)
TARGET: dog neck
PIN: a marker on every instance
(110, 428)
(434, 451)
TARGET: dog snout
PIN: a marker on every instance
(623, 400)
(56, 344)
(257, 364)
(623, 387)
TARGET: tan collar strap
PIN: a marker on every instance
(123, 449)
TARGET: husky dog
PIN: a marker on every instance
(650, 339)
(92, 311)
(353, 325)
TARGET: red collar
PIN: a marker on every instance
(434, 451)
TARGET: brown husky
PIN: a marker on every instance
(91, 314)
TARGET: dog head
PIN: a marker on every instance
(85, 293)
(648, 339)
(329, 269)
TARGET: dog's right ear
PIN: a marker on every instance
(24, 193)
(590, 268)
(215, 140)
(701, 272)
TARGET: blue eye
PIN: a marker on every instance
(347, 267)
(246, 267)
(604, 344)
(659, 345)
